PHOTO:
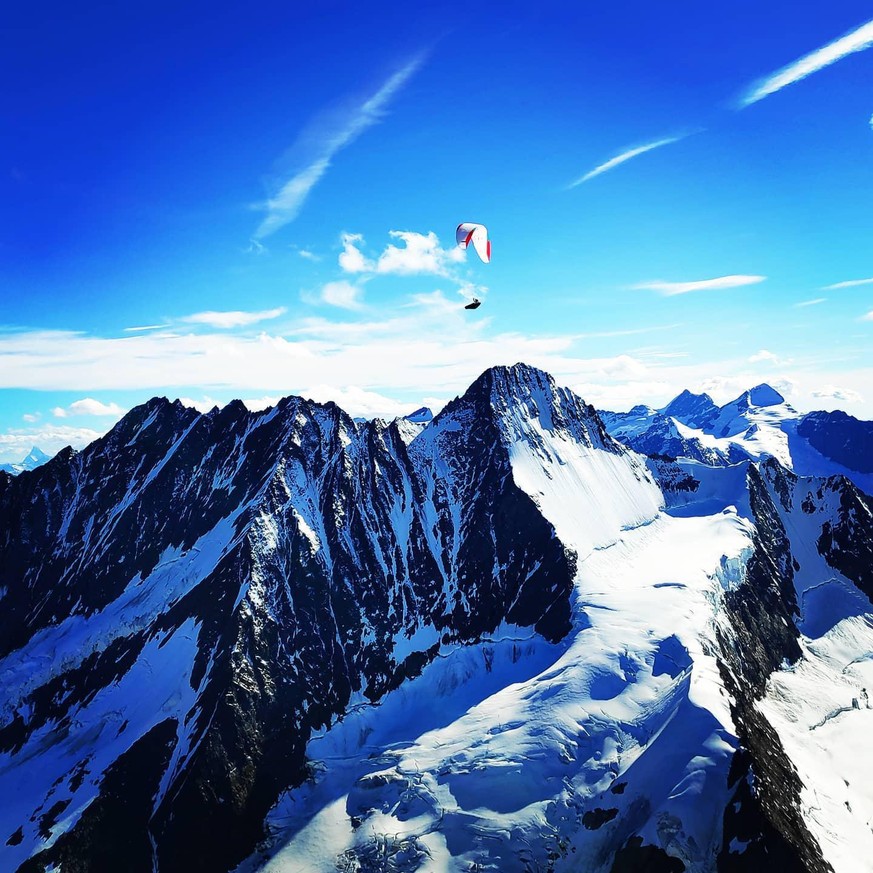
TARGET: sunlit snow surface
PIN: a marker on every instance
(497, 752)
(822, 712)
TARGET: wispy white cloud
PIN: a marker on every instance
(836, 393)
(404, 349)
(814, 302)
(855, 41)
(670, 289)
(323, 140)
(358, 401)
(399, 354)
(606, 166)
(353, 399)
(232, 318)
(623, 367)
(223, 320)
(51, 438)
(868, 316)
(259, 404)
(762, 356)
(403, 355)
(31, 417)
(603, 334)
(342, 294)
(88, 406)
(308, 255)
(852, 283)
(664, 356)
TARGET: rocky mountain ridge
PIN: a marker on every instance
(209, 622)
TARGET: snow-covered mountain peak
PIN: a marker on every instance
(526, 402)
(641, 409)
(34, 458)
(502, 386)
(759, 421)
(422, 415)
(691, 409)
(761, 395)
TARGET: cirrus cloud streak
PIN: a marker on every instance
(721, 283)
(232, 318)
(621, 158)
(852, 283)
(326, 139)
(855, 41)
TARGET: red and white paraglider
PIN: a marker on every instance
(476, 235)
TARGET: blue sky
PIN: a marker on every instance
(672, 192)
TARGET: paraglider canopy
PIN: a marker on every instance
(477, 234)
(474, 304)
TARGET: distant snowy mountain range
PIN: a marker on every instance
(758, 424)
(516, 636)
(34, 458)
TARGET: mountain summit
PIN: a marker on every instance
(763, 395)
(34, 458)
(692, 409)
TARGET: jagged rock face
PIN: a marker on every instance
(304, 559)
(822, 529)
(422, 415)
(840, 437)
(830, 524)
(767, 821)
(846, 541)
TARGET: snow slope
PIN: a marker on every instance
(822, 713)
(502, 761)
